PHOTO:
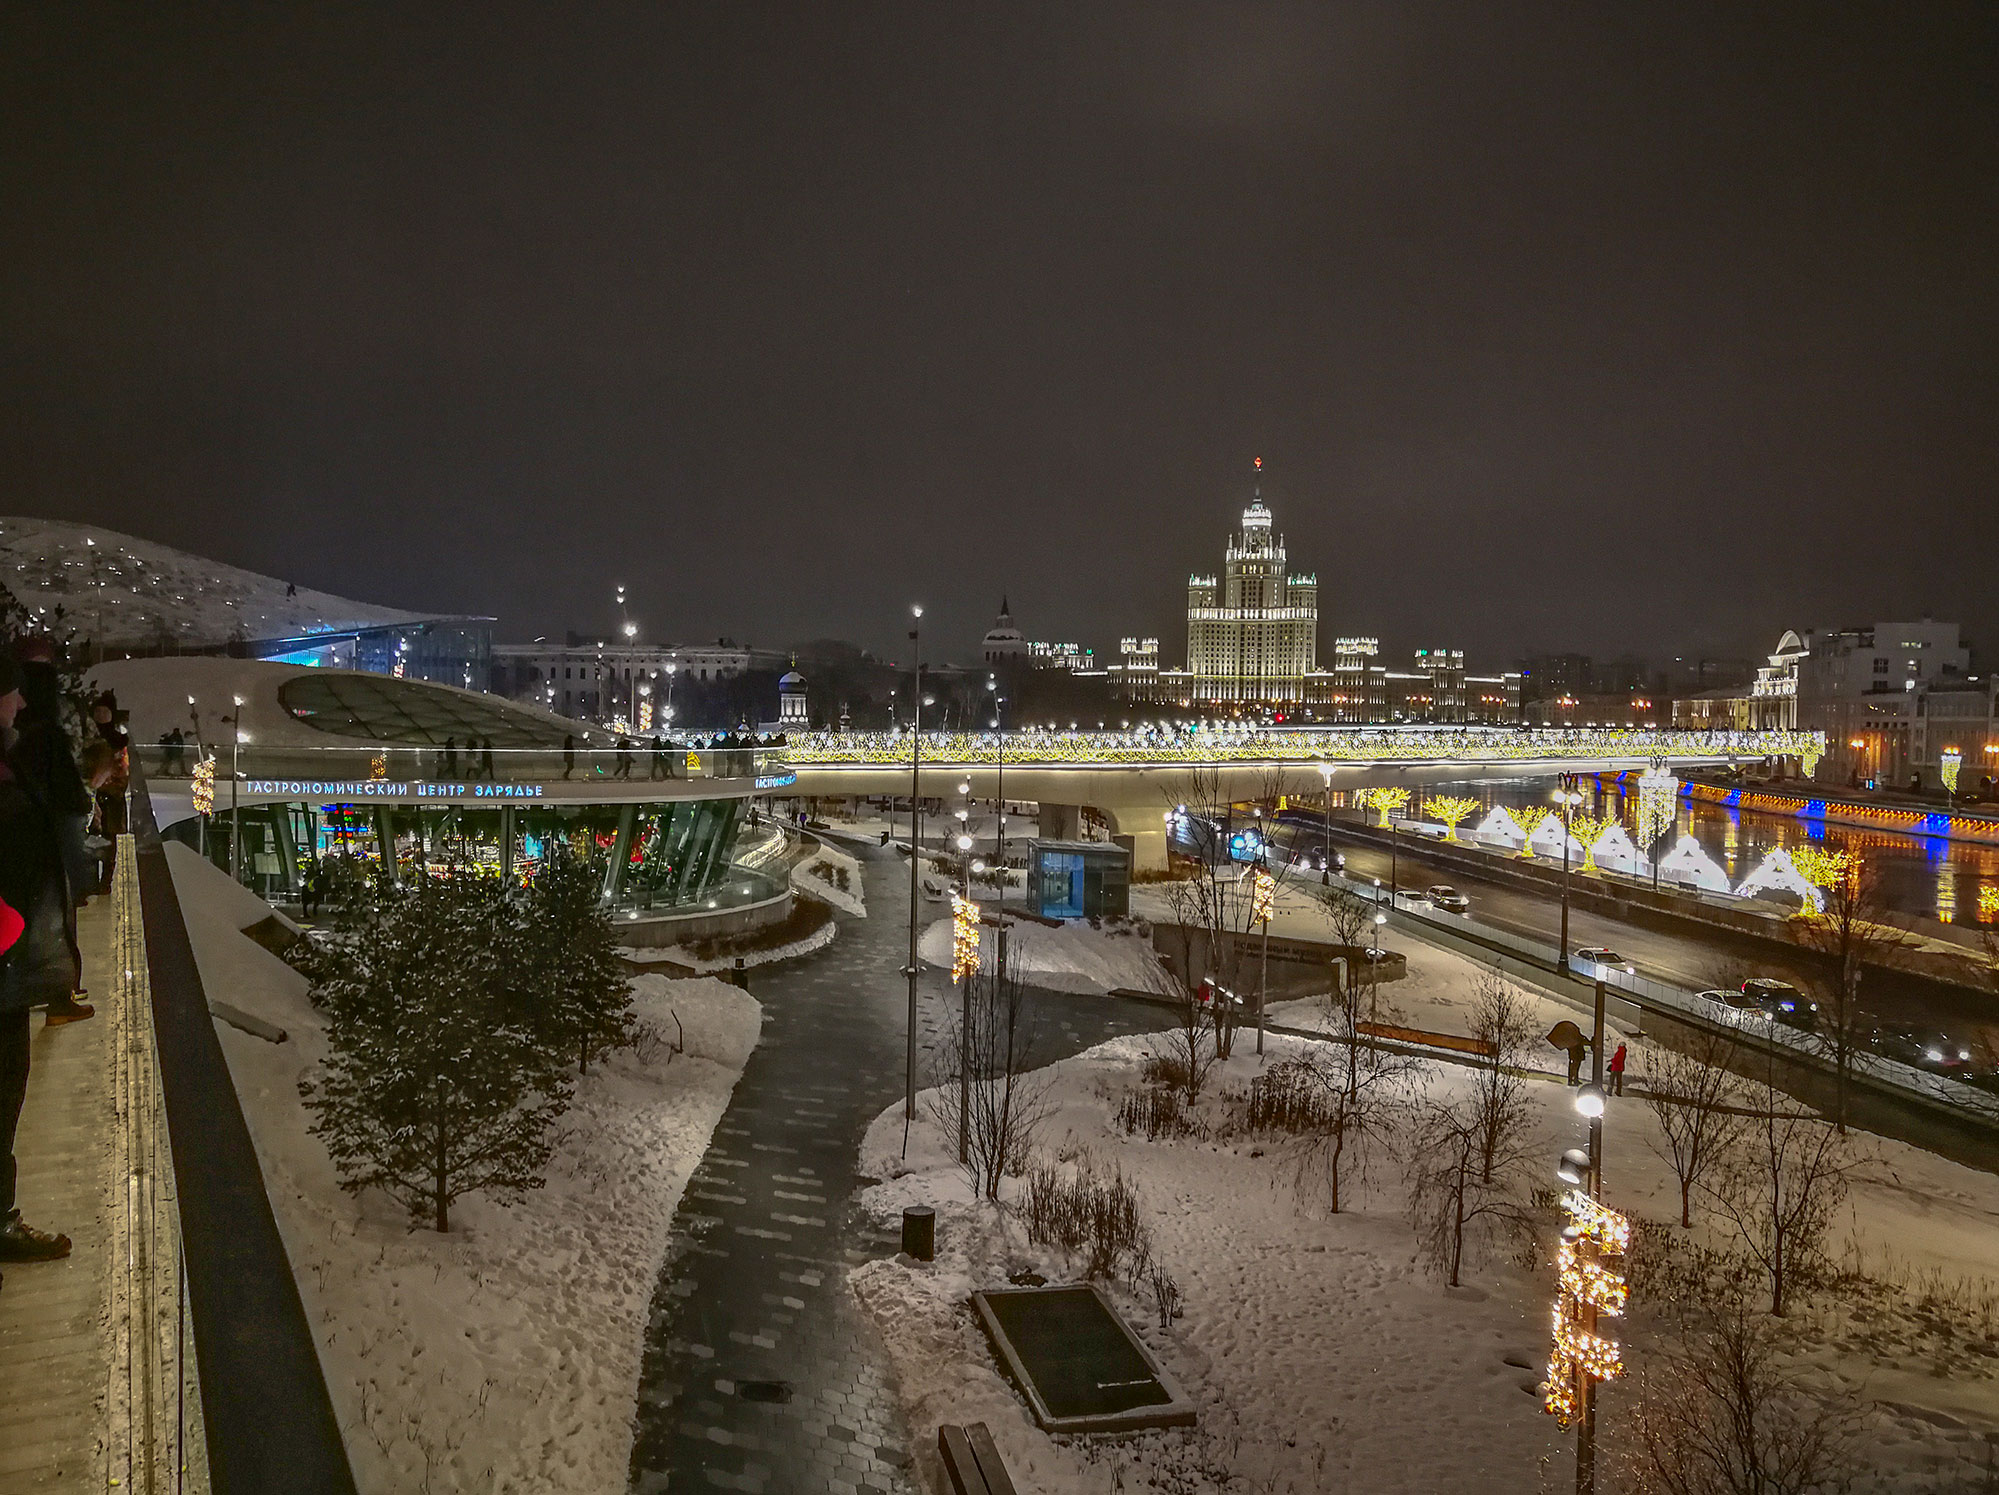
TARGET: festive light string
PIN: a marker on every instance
(1592, 1250)
(1658, 804)
(1205, 745)
(964, 938)
(204, 786)
(1262, 897)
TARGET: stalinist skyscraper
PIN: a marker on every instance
(1252, 636)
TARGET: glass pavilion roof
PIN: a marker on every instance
(385, 709)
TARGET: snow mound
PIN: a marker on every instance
(1072, 958)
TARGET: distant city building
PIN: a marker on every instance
(1252, 633)
(791, 713)
(617, 682)
(1006, 646)
(1493, 700)
(1893, 700)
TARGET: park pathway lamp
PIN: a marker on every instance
(1589, 1258)
(1326, 843)
(1262, 904)
(915, 843)
(236, 741)
(1569, 799)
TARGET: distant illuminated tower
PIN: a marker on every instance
(791, 716)
(1252, 634)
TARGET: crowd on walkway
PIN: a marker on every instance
(62, 807)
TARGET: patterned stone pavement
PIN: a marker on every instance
(760, 1374)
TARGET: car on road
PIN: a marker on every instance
(1603, 955)
(1315, 861)
(1725, 1006)
(1923, 1048)
(1448, 898)
(1783, 1001)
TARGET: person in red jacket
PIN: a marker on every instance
(1617, 1071)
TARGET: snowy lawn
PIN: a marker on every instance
(834, 877)
(1323, 1351)
(505, 1355)
(1074, 958)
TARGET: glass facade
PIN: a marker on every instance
(663, 857)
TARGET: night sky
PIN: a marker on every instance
(1647, 327)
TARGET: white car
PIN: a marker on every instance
(1724, 1006)
(1603, 955)
(1448, 898)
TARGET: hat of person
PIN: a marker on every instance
(10, 675)
(36, 648)
(11, 925)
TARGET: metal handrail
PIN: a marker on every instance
(263, 1420)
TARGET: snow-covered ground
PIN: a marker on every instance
(1074, 958)
(1323, 1354)
(505, 1355)
(681, 955)
(821, 875)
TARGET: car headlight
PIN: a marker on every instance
(1935, 1056)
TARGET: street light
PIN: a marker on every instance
(1326, 845)
(1569, 799)
(915, 847)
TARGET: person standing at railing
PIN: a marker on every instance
(486, 759)
(658, 746)
(43, 762)
(35, 966)
(568, 754)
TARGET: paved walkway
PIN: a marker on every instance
(760, 1374)
(55, 1354)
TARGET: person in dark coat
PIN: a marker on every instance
(486, 759)
(451, 757)
(34, 969)
(568, 754)
(46, 768)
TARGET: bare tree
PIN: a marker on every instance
(1214, 953)
(1500, 1019)
(1452, 1202)
(1779, 1187)
(1691, 1093)
(1722, 1412)
(1852, 931)
(1001, 1103)
(1361, 1097)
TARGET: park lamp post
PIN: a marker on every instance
(915, 769)
(1590, 1261)
(1326, 843)
(236, 739)
(1569, 798)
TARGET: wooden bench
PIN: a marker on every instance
(972, 1461)
(1424, 1036)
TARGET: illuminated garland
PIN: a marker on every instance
(1262, 897)
(964, 938)
(1658, 805)
(1988, 904)
(1949, 761)
(1588, 1262)
(1207, 745)
(204, 786)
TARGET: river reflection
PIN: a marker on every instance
(1928, 876)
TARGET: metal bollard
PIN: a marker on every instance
(919, 1232)
(741, 974)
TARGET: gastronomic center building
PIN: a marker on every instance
(407, 776)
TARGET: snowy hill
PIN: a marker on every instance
(126, 593)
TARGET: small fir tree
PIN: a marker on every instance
(581, 994)
(433, 1086)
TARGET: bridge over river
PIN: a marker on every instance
(1133, 777)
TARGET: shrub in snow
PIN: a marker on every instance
(1090, 1216)
(437, 1082)
(996, 1104)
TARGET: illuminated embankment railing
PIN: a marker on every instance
(1339, 746)
(394, 764)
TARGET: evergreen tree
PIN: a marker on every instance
(434, 1086)
(580, 994)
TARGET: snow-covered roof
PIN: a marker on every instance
(122, 592)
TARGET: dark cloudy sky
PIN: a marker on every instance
(1627, 326)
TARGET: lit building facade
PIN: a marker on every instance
(1253, 631)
